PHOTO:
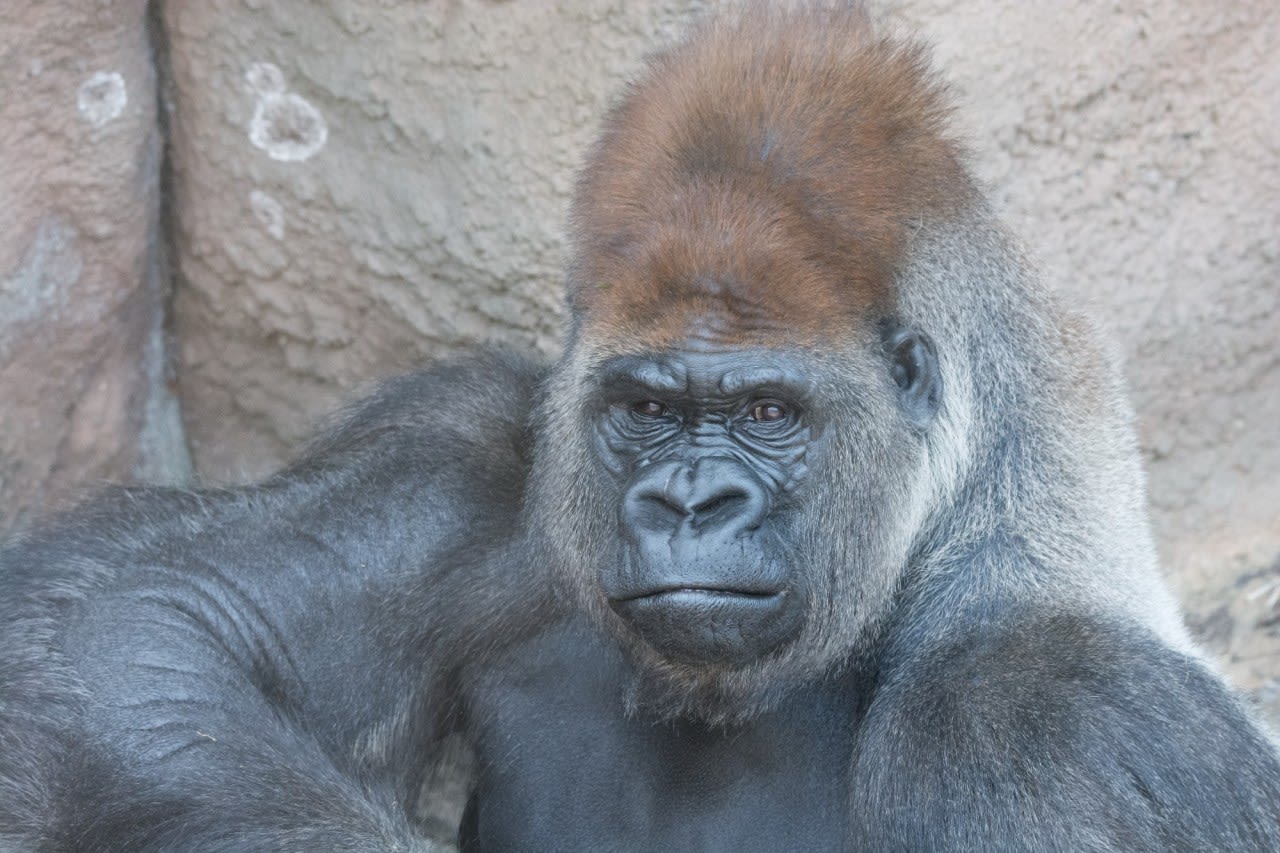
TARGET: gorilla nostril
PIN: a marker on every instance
(721, 507)
(653, 512)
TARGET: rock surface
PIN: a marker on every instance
(82, 373)
(361, 186)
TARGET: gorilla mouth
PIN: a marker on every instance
(710, 624)
(707, 591)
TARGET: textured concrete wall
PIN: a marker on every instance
(82, 393)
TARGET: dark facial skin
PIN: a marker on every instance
(708, 449)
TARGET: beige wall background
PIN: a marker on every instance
(220, 219)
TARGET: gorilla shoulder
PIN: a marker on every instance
(273, 642)
(1083, 733)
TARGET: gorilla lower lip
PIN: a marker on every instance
(709, 625)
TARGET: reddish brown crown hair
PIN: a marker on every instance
(758, 183)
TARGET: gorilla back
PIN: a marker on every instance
(825, 532)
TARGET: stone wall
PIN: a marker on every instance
(83, 393)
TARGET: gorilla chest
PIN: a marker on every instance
(564, 768)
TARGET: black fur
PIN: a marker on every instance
(238, 669)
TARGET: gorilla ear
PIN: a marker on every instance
(913, 364)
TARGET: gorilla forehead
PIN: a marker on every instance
(729, 267)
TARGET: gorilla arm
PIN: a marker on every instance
(241, 668)
(1056, 731)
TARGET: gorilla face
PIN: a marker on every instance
(708, 451)
(736, 517)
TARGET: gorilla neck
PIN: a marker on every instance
(726, 780)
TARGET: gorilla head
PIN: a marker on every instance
(735, 461)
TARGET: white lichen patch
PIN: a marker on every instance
(268, 212)
(40, 287)
(284, 124)
(102, 97)
(265, 78)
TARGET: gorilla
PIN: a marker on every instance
(826, 532)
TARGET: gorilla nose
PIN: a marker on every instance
(710, 495)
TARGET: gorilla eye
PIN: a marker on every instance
(650, 409)
(768, 411)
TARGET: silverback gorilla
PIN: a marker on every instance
(825, 533)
